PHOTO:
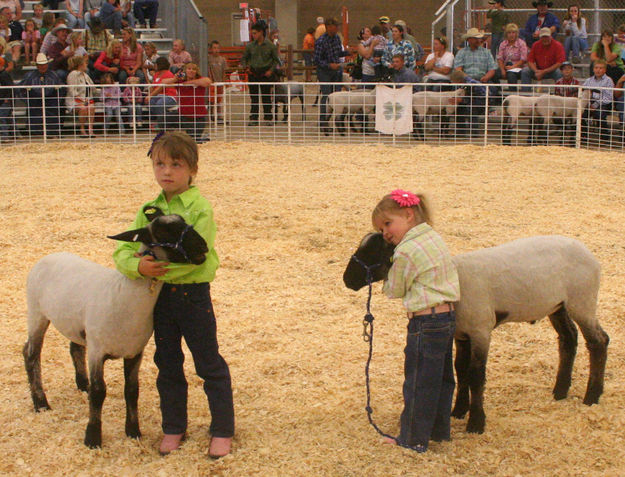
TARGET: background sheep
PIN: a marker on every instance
(515, 106)
(523, 280)
(282, 93)
(103, 310)
(442, 104)
(561, 110)
(342, 103)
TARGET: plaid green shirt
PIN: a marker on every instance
(475, 63)
(96, 43)
(423, 273)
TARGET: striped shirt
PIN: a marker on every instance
(475, 63)
(422, 273)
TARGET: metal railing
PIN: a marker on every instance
(346, 113)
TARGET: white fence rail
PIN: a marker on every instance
(298, 113)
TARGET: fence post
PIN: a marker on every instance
(288, 108)
(43, 114)
(134, 120)
(578, 128)
(289, 62)
(486, 117)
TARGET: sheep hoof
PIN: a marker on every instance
(592, 397)
(560, 393)
(93, 436)
(42, 406)
(476, 425)
(133, 431)
(82, 384)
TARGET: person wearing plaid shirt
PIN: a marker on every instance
(425, 278)
(600, 102)
(328, 52)
(475, 60)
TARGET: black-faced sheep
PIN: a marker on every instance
(106, 312)
(520, 281)
(285, 93)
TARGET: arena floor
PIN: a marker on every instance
(289, 219)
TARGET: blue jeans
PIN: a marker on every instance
(575, 45)
(187, 311)
(146, 8)
(527, 75)
(74, 22)
(429, 379)
(160, 112)
(332, 77)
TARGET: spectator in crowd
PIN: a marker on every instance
(9, 65)
(321, 27)
(439, 63)
(601, 102)
(47, 23)
(401, 74)
(14, 7)
(610, 51)
(109, 61)
(191, 99)
(544, 60)
(328, 52)
(149, 61)
(38, 99)
(419, 52)
(111, 15)
(7, 132)
(50, 38)
(366, 48)
(92, 9)
(576, 39)
(564, 84)
(132, 95)
(542, 19)
(14, 41)
(498, 21)
(97, 38)
(261, 59)
(128, 19)
(146, 9)
(399, 46)
(75, 14)
(162, 98)
(38, 15)
(112, 100)
(178, 56)
(475, 60)
(31, 39)
(619, 39)
(131, 57)
(512, 55)
(51, 4)
(5, 31)
(471, 106)
(385, 26)
(309, 44)
(58, 53)
(619, 97)
(80, 90)
(75, 46)
(217, 74)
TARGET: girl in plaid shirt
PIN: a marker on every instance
(426, 279)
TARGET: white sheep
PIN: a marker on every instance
(101, 309)
(550, 108)
(520, 281)
(515, 106)
(342, 103)
(442, 104)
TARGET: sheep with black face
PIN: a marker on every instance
(104, 314)
(520, 281)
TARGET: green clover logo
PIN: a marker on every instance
(388, 111)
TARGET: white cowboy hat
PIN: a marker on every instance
(42, 59)
(473, 33)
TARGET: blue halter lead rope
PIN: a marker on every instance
(176, 246)
(367, 336)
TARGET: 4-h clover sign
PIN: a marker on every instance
(393, 110)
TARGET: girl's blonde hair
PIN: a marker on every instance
(512, 27)
(184, 47)
(3, 45)
(111, 46)
(194, 67)
(133, 38)
(75, 61)
(177, 145)
(388, 205)
(73, 38)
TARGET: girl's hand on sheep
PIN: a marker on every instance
(149, 267)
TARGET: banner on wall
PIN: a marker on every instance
(393, 110)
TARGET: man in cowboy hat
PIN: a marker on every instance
(544, 59)
(542, 19)
(57, 51)
(475, 60)
(51, 94)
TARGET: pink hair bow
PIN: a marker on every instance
(405, 198)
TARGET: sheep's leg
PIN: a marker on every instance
(477, 381)
(597, 342)
(77, 352)
(131, 393)
(463, 358)
(285, 113)
(301, 98)
(32, 361)
(97, 394)
(340, 124)
(567, 347)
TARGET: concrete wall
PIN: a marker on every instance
(418, 14)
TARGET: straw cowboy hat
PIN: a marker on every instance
(473, 33)
(42, 59)
(58, 28)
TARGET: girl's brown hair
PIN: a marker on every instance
(133, 38)
(610, 33)
(388, 205)
(177, 145)
(47, 21)
(579, 14)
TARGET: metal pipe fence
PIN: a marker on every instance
(316, 113)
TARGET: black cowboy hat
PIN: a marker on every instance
(542, 2)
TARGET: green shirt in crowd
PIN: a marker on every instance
(196, 211)
(498, 20)
(261, 57)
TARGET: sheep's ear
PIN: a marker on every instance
(137, 235)
(151, 212)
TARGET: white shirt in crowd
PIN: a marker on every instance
(447, 60)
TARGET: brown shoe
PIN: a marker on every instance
(170, 443)
(219, 447)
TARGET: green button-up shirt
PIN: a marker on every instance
(195, 210)
(261, 57)
(422, 273)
